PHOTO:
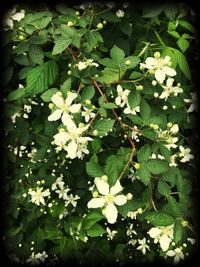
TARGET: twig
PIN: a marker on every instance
(151, 198)
(80, 87)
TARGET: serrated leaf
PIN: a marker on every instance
(149, 133)
(135, 75)
(103, 126)
(157, 166)
(178, 231)
(96, 230)
(117, 54)
(93, 169)
(113, 168)
(91, 218)
(109, 105)
(131, 205)
(152, 11)
(160, 218)
(182, 63)
(174, 207)
(165, 152)
(46, 96)
(134, 99)
(144, 153)
(183, 44)
(36, 54)
(126, 28)
(163, 188)
(61, 44)
(16, 94)
(87, 93)
(111, 75)
(66, 86)
(144, 174)
(145, 110)
(41, 77)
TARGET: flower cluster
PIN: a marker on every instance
(81, 65)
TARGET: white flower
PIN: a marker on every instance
(176, 253)
(191, 240)
(170, 89)
(60, 140)
(130, 230)
(185, 154)
(129, 110)
(13, 15)
(122, 97)
(162, 235)
(110, 234)
(81, 65)
(88, 114)
(62, 192)
(109, 198)
(174, 129)
(173, 161)
(143, 245)
(58, 183)
(133, 214)
(64, 107)
(71, 200)
(132, 175)
(81, 150)
(193, 103)
(36, 259)
(14, 116)
(171, 142)
(38, 196)
(120, 13)
(160, 66)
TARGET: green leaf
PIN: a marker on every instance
(109, 105)
(36, 54)
(135, 75)
(91, 218)
(111, 75)
(103, 112)
(103, 126)
(182, 63)
(134, 61)
(61, 44)
(96, 230)
(87, 93)
(66, 86)
(46, 96)
(95, 145)
(41, 77)
(160, 218)
(165, 152)
(170, 11)
(145, 110)
(163, 188)
(113, 168)
(126, 28)
(174, 207)
(134, 99)
(152, 11)
(16, 94)
(157, 166)
(149, 133)
(183, 44)
(188, 26)
(117, 54)
(144, 153)
(144, 174)
(93, 168)
(131, 205)
(178, 231)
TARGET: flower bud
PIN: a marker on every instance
(157, 55)
(128, 62)
(151, 71)
(77, 13)
(155, 94)
(139, 87)
(21, 37)
(81, 125)
(95, 132)
(129, 196)
(99, 26)
(104, 178)
(104, 22)
(88, 101)
(70, 24)
(169, 125)
(155, 127)
(137, 166)
(51, 105)
(69, 72)
(154, 82)
(95, 194)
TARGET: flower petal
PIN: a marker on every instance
(120, 200)
(119, 88)
(154, 232)
(102, 187)
(150, 63)
(72, 149)
(164, 242)
(57, 100)
(96, 203)
(66, 119)
(55, 115)
(116, 188)
(70, 98)
(75, 108)
(111, 213)
(18, 16)
(170, 253)
(160, 75)
(169, 71)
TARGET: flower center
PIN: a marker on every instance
(74, 136)
(64, 107)
(109, 198)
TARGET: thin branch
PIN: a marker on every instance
(151, 198)
(80, 87)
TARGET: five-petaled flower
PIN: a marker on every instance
(109, 198)
(38, 196)
(185, 154)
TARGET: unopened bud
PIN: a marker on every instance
(104, 178)
(157, 55)
(99, 26)
(95, 132)
(137, 166)
(88, 102)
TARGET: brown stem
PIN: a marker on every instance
(80, 87)
(151, 198)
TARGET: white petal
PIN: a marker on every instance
(169, 82)
(71, 126)
(119, 88)
(116, 188)
(150, 62)
(70, 98)
(169, 71)
(154, 232)
(96, 203)
(66, 119)
(111, 213)
(61, 138)
(170, 253)
(57, 100)
(120, 200)
(72, 149)
(164, 242)
(118, 100)
(160, 75)
(9, 23)
(164, 94)
(18, 16)
(55, 115)
(102, 187)
(75, 108)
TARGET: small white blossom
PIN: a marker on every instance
(160, 66)
(193, 103)
(38, 196)
(62, 192)
(130, 230)
(36, 259)
(71, 200)
(120, 13)
(122, 97)
(170, 89)
(64, 107)
(133, 111)
(185, 154)
(177, 254)
(109, 198)
(84, 64)
(143, 245)
(88, 114)
(12, 16)
(110, 234)
(58, 183)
